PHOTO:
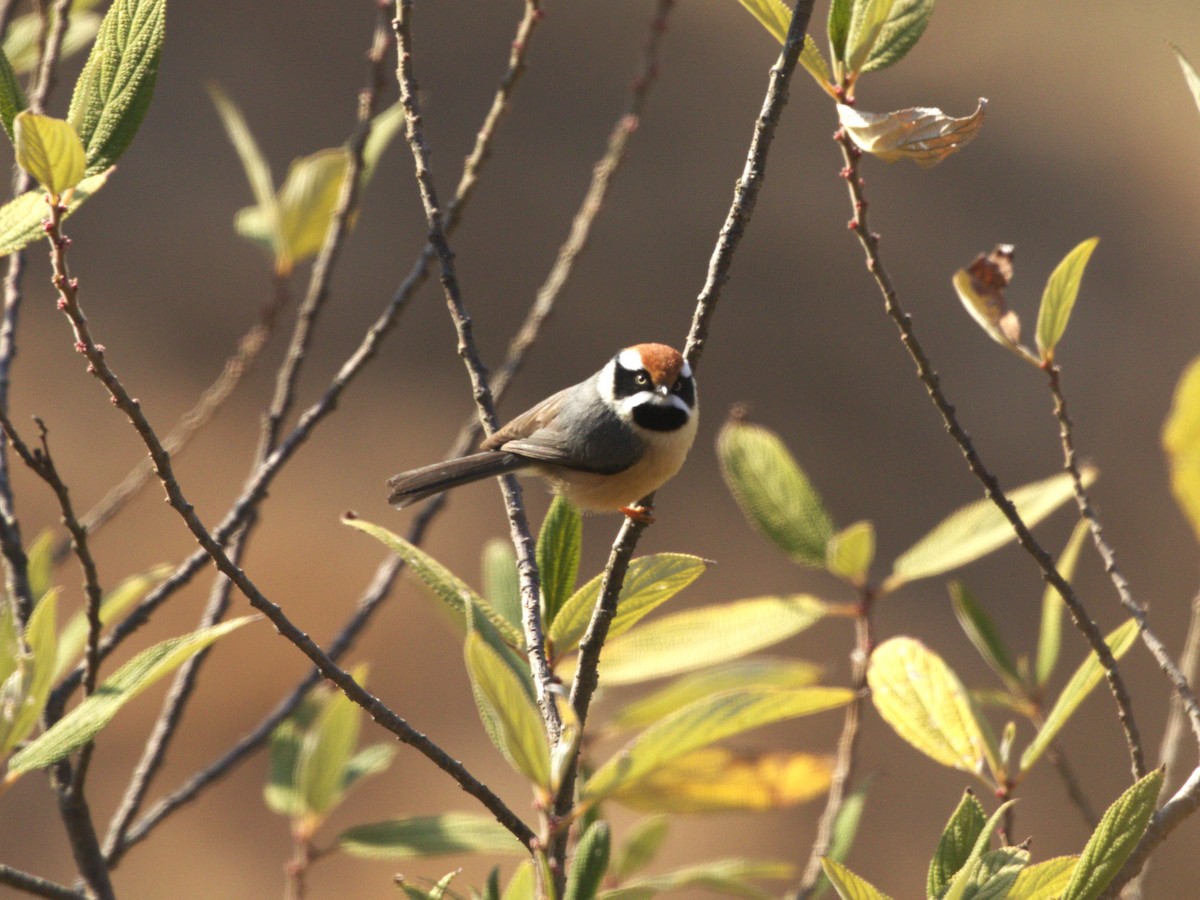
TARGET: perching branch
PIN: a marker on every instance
(33, 884)
(530, 579)
(991, 486)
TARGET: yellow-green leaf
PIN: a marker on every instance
(521, 885)
(445, 586)
(112, 93)
(866, 25)
(698, 638)
(520, 730)
(925, 703)
(955, 845)
(307, 199)
(642, 844)
(422, 836)
(649, 582)
(590, 862)
(1059, 297)
(74, 636)
(970, 880)
(849, 553)
(82, 723)
(1050, 632)
(1189, 74)
(690, 688)
(49, 150)
(848, 885)
(979, 528)
(1120, 829)
(280, 793)
(12, 98)
(731, 877)
(1085, 679)
(717, 779)
(41, 563)
(501, 584)
(904, 26)
(1181, 441)
(21, 218)
(773, 491)
(1045, 880)
(984, 634)
(776, 17)
(925, 135)
(21, 40)
(325, 753)
(559, 544)
(41, 636)
(703, 723)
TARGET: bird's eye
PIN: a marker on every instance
(677, 387)
(641, 379)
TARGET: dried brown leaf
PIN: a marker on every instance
(923, 134)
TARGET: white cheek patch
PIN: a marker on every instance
(628, 404)
(607, 380)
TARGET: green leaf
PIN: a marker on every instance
(1050, 632)
(984, 634)
(41, 563)
(429, 836)
(996, 873)
(773, 492)
(559, 545)
(955, 845)
(491, 888)
(706, 722)
(1085, 679)
(1059, 297)
(325, 752)
(1045, 880)
(718, 779)
(49, 150)
(308, 198)
(681, 692)
(445, 586)
(922, 699)
(520, 886)
(1189, 74)
(866, 26)
(1120, 829)
(722, 876)
(114, 89)
(849, 553)
(38, 669)
(979, 528)
(650, 582)
(73, 639)
(501, 583)
(589, 863)
(845, 829)
(21, 219)
(838, 27)
(258, 172)
(22, 40)
(1181, 441)
(82, 723)
(703, 637)
(776, 17)
(366, 762)
(384, 127)
(521, 733)
(12, 98)
(645, 839)
(968, 880)
(280, 793)
(904, 26)
(848, 885)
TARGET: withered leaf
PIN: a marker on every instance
(925, 135)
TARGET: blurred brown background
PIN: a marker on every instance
(1090, 131)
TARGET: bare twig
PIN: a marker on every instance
(256, 487)
(843, 770)
(318, 291)
(98, 366)
(991, 486)
(16, 565)
(1079, 799)
(543, 677)
(1070, 462)
(33, 884)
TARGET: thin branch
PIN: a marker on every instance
(16, 565)
(1070, 462)
(991, 486)
(530, 579)
(94, 353)
(847, 749)
(256, 487)
(1189, 664)
(211, 400)
(1079, 799)
(318, 291)
(34, 884)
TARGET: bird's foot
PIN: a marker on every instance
(643, 515)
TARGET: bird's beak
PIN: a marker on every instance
(662, 390)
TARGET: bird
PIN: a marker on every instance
(603, 444)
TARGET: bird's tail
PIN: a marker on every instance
(413, 486)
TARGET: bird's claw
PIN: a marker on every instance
(643, 515)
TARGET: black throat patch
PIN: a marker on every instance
(654, 417)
